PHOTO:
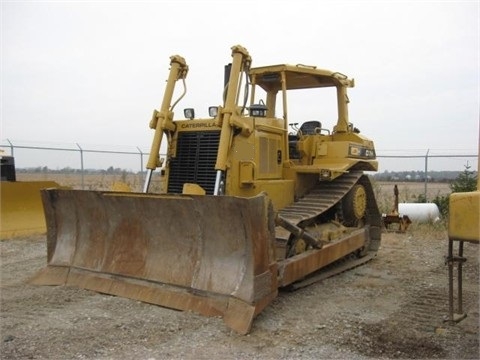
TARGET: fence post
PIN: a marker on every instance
(141, 163)
(426, 172)
(141, 159)
(11, 147)
(81, 165)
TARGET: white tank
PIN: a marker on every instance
(421, 212)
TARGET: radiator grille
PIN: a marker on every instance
(195, 161)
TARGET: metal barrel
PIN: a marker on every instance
(213, 255)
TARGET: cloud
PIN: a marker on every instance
(92, 72)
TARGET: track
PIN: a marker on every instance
(338, 267)
(323, 197)
(317, 202)
(326, 195)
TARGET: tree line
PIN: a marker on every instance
(68, 170)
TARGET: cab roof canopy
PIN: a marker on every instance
(297, 77)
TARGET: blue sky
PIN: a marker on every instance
(91, 72)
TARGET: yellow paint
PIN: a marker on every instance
(464, 217)
(21, 209)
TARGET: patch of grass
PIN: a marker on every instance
(435, 230)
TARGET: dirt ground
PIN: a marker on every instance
(392, 307)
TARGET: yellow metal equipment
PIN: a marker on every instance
(463, 226)
(21, 210)
(248, 207)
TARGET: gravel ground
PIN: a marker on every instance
(392, 307)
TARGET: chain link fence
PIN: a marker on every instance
(122, 162)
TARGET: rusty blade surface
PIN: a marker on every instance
(210, 254)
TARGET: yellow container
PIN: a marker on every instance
(464, 219)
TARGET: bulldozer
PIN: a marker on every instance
(251, 204)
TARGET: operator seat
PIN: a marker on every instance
(308, 127)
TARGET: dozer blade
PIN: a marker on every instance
(21, 208)
(213, 255)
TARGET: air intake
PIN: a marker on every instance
(195, 161)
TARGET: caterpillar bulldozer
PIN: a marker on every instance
(249, 206)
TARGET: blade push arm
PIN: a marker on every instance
(240, 63)
(162, 120)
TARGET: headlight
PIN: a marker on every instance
(213, 111)
(189, 113)
(361, 151)
(258, 110)
(325, 174)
